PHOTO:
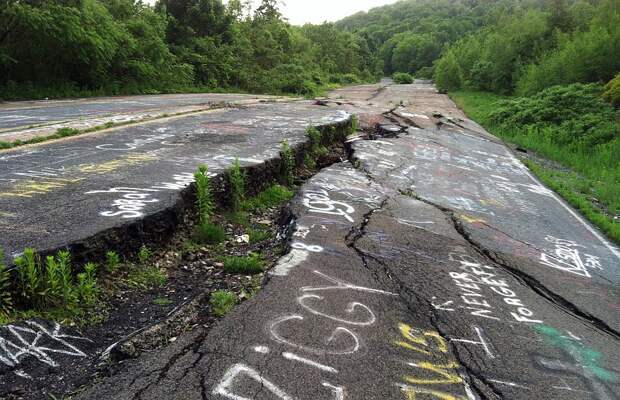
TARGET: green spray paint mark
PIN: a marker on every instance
(585, 356)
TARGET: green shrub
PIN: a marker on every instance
(425, 73)
(208, 233)
(204, 194)
(222, 302)
(236, 182)
(349, 79)
(66, 132)
(612, 91)
(402, 78)
(252, 264)
(574, 116)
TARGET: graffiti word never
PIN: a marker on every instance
(471, 281)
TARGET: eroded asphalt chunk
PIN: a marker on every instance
(430, 266)
(70, 190)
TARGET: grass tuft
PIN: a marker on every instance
(145, 278)
(208, 233)
(259, 235)
(252, 264)
(273, 196)
(162, 301)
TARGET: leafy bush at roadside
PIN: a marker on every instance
(402, 78)
(576, 114)
(612, 91)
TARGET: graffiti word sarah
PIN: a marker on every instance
(133, 201)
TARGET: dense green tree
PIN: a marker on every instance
(415, 51)
(128, 46)
(560, 17)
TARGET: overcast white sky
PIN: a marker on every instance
(300, 12)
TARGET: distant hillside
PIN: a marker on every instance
(410, 35)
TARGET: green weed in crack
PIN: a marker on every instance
(48, 289)
(145, 278)
(30, 280)
(259, 235)
(206, 232)
(204, 194)
(112, 261)
(55, 292)
(87, 289)
(222, 302)
(63, 258)
(354, 123)
(288, 164)
(317, 149)
(144, 255)
(6, 300)
(236, 181)
(162, 301)
(66, 132)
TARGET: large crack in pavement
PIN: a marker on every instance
(405, 293)
(534, 284)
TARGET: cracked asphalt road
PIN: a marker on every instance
(27, 119)
(431, 265)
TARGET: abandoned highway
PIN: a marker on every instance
(430, 264)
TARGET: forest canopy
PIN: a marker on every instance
(64, 47)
